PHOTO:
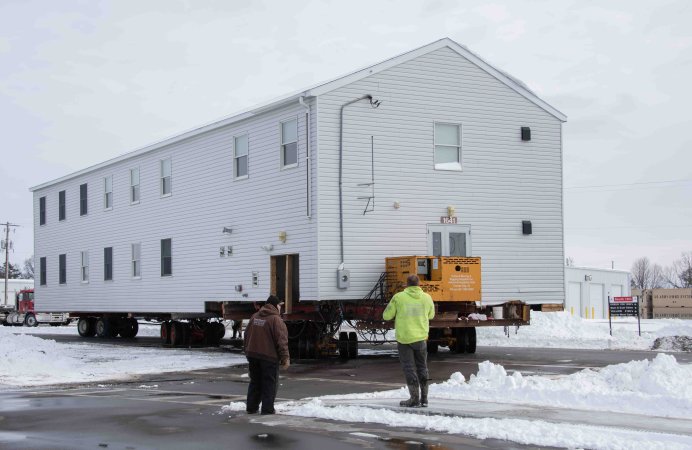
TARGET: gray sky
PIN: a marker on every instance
(84, 81)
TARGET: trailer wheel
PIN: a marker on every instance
(129, 328)
(432, 347)
(352, 345)
(166, 332)
(471, 340)
(461, 338)
(342, 345)
(176, 333)
(85, 327)
(218, 331)
(30, 320)
(104, 328)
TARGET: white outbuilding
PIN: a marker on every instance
(588, 290)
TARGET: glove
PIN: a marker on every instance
(285, 364)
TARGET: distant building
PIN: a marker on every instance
(665, 303)
(587, 290)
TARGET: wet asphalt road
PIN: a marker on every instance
(184, 409)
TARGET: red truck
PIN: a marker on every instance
(22, 312)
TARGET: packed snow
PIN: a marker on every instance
(33, 361)
(659, 387)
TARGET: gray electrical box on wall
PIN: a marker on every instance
(343, 278)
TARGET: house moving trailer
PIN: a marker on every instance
(433, 153)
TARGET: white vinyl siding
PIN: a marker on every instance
(108, 192)
(241, 150)
(166, 177)
(84, 272)
(136, 250)
(289, 143)
(134, 185)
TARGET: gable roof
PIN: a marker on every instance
(326, 87)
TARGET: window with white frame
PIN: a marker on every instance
(134, 185)
(85, 267)
(289, 143)
(108, 192)
(241, 150)
(136, 260)
(166, 177)
(447, 146)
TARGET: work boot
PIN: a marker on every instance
(414, 401)
(424, 393)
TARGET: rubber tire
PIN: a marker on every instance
(461, 337)
(176, 333)
(342, 345)
(104, 328)
(85, 327)
(30, 320)
(129, 328)
(352, 345)
(471, 340)
(218, 332)
(432, 347)
(165, 333)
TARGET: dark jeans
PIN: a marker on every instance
(414, 361)
(264, 382)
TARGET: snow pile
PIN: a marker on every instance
(562, 330)
(31, 361)
(518, 430)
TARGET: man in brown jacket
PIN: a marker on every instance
(266, 347)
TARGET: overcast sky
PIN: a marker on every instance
(85, 81)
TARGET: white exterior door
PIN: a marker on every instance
(596, 301)
(574, 303)
(449, 240)
(615, 290)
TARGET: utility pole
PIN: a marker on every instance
(7, 244)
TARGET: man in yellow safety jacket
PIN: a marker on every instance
(412, 310)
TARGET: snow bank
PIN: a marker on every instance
(30, 361)
(517, 430)
(562, 330)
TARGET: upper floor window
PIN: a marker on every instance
(289, 143)
(62, 268)
(447, 146)
(42, 211)
(42, 271)
(166, 257)
(85, 267)
(136, 260)
(108, 263)
(108, 192)
(83, 200)
(61, 205)
(166, 175)
(241, 150)
(134, 185)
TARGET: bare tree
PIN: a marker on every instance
(28, 269)
(679, 275)
(658, 279)
(641, 273)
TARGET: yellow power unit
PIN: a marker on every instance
(445, 278)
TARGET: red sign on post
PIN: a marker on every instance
(623, 299)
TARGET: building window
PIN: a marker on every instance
(42, 271)
(61, 205)
(134, 185)
(447, 146)
(85, 267)
(240, 149)
(289, 143)
(42, 211)
(108, 192)
(62, 268)
(108, 263)
(136, 260)
(83, 200)
(166, 258)
(166, 174)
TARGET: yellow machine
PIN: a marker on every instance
(445, 278)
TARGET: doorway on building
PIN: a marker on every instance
(449, 240)
(285, 276)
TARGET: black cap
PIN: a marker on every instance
(274, 300)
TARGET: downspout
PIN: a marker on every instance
(308, 163)
(374, 104)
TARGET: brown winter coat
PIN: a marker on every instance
(266, 336)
